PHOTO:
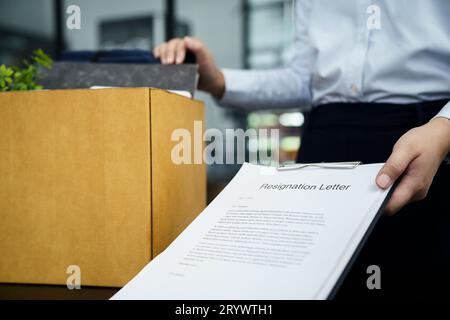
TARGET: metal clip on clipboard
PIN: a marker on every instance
(323, 165)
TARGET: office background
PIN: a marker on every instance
(250, 34)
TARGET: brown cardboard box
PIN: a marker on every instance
(86, 179)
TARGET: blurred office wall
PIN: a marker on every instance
(31, 17)
(24, 26)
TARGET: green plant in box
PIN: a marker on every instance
(6, 76)
(17, 78)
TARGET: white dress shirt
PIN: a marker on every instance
(342, 56)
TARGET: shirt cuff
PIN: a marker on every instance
(445, 112)
(232, 78)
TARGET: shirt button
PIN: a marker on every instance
(355, 89)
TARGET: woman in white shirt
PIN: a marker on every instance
(379, 92)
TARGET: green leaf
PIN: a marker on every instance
(42, 59)
(23, 78)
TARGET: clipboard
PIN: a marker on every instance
(148, 284)
(344, 166)
(322, 165)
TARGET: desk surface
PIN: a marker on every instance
(40, 292)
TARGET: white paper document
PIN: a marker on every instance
(270, 234)
(183, 93)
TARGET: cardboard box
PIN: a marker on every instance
(86, 179)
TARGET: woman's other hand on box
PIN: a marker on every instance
(174, 52)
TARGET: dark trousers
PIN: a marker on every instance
(411, 248)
